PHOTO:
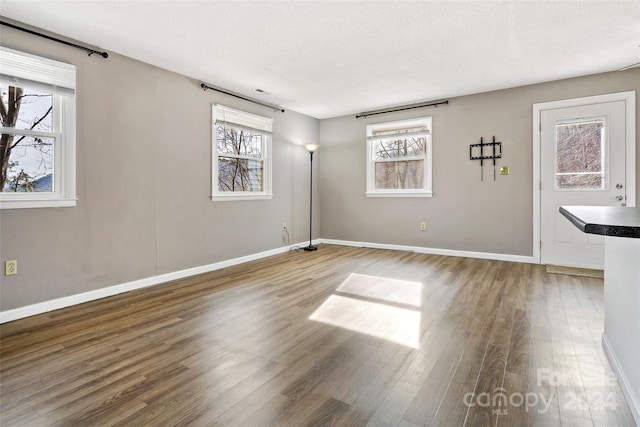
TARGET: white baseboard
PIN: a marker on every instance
(46, 306)
(435, 251)
(632, 400)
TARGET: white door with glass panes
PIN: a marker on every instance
(582, 162)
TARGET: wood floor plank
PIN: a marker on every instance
(546, 409)
(327, 414)
(392, 367)
(241, 347)
(428, 397)
(242, 398)
(265, 415)
(394, 407)
(452, 409)
(307, 406)
(266, 402)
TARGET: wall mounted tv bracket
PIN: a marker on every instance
(495, 148)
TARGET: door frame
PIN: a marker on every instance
(629, 97)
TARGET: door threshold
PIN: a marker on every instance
(575, 271)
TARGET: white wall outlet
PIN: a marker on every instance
(423, 226)
(11, 267)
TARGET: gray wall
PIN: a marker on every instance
(464, 213)
(143, 185)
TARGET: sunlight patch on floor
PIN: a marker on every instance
(383, 289)
(399, 325)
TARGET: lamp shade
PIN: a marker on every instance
(312, 148)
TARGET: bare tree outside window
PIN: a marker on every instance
(580, 155)
(399, 158)
(399, 163)
(26, 160)
(37, 132)
(241, 164)
(240, 159)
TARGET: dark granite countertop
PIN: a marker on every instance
(605, 220)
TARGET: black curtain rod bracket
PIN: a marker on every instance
(403, 108)
(205, 87)
(35, 33)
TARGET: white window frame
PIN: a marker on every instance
(264, 125)
(372, 129)
(24, 69)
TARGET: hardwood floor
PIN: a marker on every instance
(342, 336)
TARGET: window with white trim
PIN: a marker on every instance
(399, 159)
(37, 146)
(241, 164)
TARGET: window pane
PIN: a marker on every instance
(27, 108)
(240, 174)
(238, 142)
(30, 167)
(402, 147)
(580, 155)
(400, 175)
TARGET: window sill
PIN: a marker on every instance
(400, 194)
(37, 203)
(235, 197)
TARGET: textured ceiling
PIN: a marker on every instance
(327, 59)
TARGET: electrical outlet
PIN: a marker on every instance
(284, 226)
(11, 267)
(423, 226)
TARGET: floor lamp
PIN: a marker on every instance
(311, 148)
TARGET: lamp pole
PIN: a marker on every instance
(311, 148)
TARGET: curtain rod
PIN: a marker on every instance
(406, 107)
(273, 107)
(35, 33)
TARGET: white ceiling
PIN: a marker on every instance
(331, 58)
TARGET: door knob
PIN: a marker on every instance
(619, 197)
(618, 186)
